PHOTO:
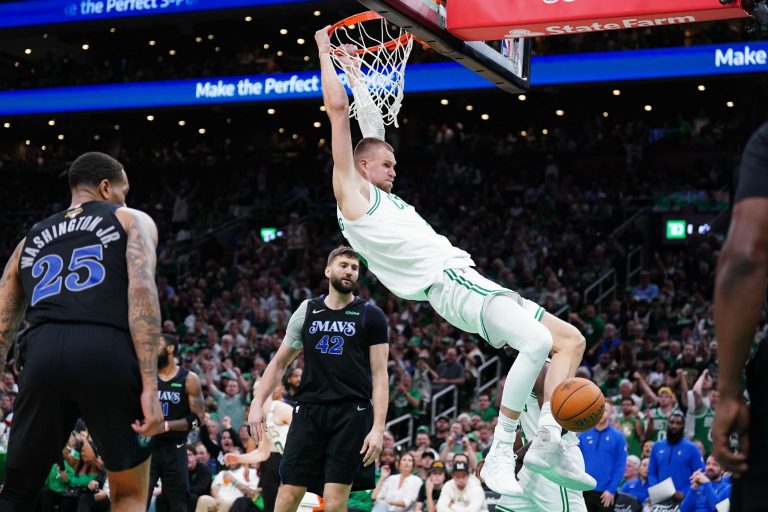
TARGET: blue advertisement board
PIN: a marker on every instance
(436, 77)
(48, 12)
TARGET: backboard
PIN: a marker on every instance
(505, 63)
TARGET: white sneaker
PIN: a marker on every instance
(551, 459)
(499, 469)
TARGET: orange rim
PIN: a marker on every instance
(371, 16)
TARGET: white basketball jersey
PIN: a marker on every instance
(278, 433)
(399, 247)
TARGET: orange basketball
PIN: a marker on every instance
(577, 404)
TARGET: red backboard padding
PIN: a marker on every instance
(484, 20)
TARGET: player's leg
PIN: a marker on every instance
(505, 320)
(348, 425)
(567, 352)
(128, 488)
(575, 500)
(154, 473)
(174, 477)
(335, 497)
(508, 318)
(289, 497)
(547, 496)
(547, 455)
(269, 480)
(304, 457)
(475, 304)
(109, 401)
(521, 503)
(44, 416)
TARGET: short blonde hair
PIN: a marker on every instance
(369, 144)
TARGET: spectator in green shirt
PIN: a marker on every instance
(484, 408)
(591, 325)
(405, 399)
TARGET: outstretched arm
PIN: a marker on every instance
(12, 303)
(256, 456)
(345, 176)
(698, 396)
(266, 386)
(648, 395)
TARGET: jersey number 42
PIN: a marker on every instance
(331, 345)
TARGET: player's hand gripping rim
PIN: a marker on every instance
(372, 446)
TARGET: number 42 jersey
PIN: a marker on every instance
(336, 344)
(73, 267)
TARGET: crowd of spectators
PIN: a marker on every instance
(545, 229)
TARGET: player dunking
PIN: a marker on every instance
(183, 404)
(415, 263)
(334, 435)
(87, 278)
(739, 299)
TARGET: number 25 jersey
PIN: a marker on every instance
(73, 267)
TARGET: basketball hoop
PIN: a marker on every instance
(378, 67)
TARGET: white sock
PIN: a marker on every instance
(547, 421)
(505, 429)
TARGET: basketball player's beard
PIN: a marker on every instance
(162, 361)
(341, 287)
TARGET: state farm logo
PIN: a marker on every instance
(522, 32)
(598, 26)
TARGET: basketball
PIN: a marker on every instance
(577, 404)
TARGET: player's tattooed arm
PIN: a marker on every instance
(143, 303)
(12, 303)
(195, 393)
(143, 312)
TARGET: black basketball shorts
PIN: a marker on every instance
(748, 492)
(323, 446)
(169, 464)
(71, 371)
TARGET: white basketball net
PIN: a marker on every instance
(377, 84)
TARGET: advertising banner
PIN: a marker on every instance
(481, 20)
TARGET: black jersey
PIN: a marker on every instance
(753, 178)
(73, 267)
(336, 344)
(174, 402)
